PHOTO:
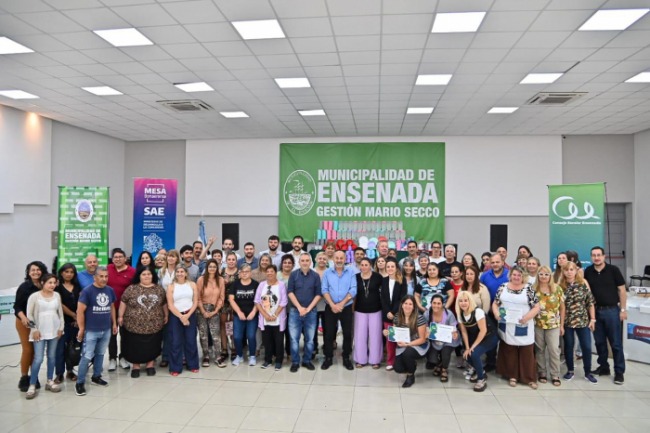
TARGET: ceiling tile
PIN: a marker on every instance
(358, 7)
(96, 19)
(319, 59)
(51, 22)
(560, 20)
(186, 51)
(396, 42)
(82, 40)
(408, 23)
(299, 8)
(270, 46)
(307, 27)
(360, 57)
(314, 45)
(358, 43)
(542, 39)
(194, 12)
(224, 49)
(145, 15)
(251, 10)
(510, 21)
(354, 26)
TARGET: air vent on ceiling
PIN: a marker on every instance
(554, 98)
(186, 105)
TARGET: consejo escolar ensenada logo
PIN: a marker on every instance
(299, 192)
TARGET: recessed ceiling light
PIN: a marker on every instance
(545, 78)
(260, 29)
(195, 87)
(233, 114)
(613, 19)
(419, 110)
(502, 110)
(102, 91)
(292, 83)
(457, 22)
(17, 94)
(8, 46)
(433, 80)
(643, 77)
(123, 37)
(311, 112)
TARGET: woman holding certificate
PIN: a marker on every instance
(443, 336)
(515, 306)
(392, 291)
(409, 331)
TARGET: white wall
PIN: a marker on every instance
(641, 201)
(601, 158)
(248, 165)
(79, 157)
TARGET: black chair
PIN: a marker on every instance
(641, 278)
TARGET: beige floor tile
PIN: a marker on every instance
(212, 415)
(417, 403)
(420, 422)
(525, 405)
(149, 427)
(197, 393)
(237, 394)
(329, 398)
(123, 409)
(539, 424)
(48, 424)
(574, 406)
(100, 426)
(170, 412)
(476, 404)
(12, 420)
(148, 390)
(592, 424)
(635, 425)
(317, 421)
(625, 407)
(485, 423)
(377, 400)
(370, 422)
(197, 429)
(76, 406)
(271, 418)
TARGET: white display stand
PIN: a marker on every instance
(8, 334)
(636, 334)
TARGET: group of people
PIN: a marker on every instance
(508, 318)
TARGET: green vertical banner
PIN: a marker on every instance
(392, 188)
(83, 224)
(576, 216)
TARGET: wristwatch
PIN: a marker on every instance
(623, 310)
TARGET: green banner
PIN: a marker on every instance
(83, 224)
(576, 217)
(394, 189)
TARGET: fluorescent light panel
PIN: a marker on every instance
(195, 87)
(457, 22)
(433, 80)
(502, 110)
(292, 83)
(8, 46)
(123, 37)
(419, 110)
(260, 29)
(233, 114)
(613, 19)
(542, 78)
(102, 91)
(311, 112)
(643, 77)
(17, 94)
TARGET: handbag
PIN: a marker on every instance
(74, 352)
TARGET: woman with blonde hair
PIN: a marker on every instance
(479, 336)
(391, 293)
(182, 300)
(580, 318)
(166, 276)
(549, 325)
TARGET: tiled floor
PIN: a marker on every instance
(251, 400)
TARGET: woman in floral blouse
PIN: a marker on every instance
(580, 318)
(549, 325)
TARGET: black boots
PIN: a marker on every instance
(23, 383)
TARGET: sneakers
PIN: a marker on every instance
(80, 389)
(590, 377)
(205, 362)
(237, 360)
(112, 365)
(294, 368)
(619, 379)
(480, 385)
(97, 380)
(31, 392)
(221, 361)
(469, 373)
(568, 376)
(309, 366)
(601, 371)
(124, 364)
(52, 386)
(252, 361)
(266, 365)
(389, 367)
(278, 366)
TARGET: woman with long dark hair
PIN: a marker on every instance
(69, 290)
(212, 294)
(367, 317)
(32, 284)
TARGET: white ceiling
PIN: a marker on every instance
(361, 56)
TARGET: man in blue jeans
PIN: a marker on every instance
(608, 287)
(96, 320)
(304, 292)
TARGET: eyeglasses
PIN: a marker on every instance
(544, 274)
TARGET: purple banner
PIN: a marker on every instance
(154, 215)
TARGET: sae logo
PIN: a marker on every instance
(564, 208)
(299, 192)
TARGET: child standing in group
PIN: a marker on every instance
(45, 315)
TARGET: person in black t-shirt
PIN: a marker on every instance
(608, 287)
